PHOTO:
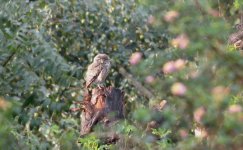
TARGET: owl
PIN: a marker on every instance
(98, 70)
(239, 26)
(236, 39)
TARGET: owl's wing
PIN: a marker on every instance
(93, 72)
(103, 74)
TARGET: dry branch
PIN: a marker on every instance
(136, 83)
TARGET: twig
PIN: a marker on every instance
(199, 7)
(136, 83)
(75, 109)
(241, 17)
(8, 59)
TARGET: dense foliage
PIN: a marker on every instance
(176, 49)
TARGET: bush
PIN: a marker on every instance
(177, 50)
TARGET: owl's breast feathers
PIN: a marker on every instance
(103, 74)
(92, 74)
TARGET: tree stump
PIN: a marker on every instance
(101, 105)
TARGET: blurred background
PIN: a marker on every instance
(170, 57)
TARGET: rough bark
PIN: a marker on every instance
(105, 105)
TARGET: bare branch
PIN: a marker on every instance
(10, 57)
(136, 83)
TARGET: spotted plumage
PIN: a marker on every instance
(98, 70)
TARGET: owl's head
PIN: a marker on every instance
(102, 58)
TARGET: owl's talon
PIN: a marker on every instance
(99, 87)
(106, 92)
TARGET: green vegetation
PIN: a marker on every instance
(177, 49)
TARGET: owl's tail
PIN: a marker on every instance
(87, 84)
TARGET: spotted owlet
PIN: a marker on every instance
(98, 70)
